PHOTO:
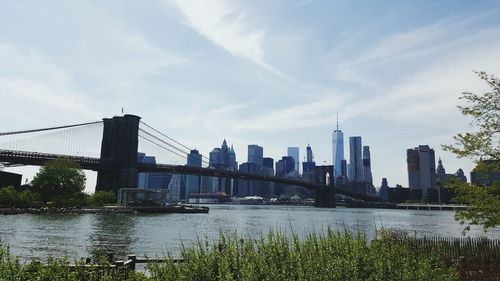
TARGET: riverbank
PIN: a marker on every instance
(65, 210)
(179, 209)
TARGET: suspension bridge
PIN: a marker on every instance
(114, 156)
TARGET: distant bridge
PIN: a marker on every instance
(118, 167)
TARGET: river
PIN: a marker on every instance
(76, 236)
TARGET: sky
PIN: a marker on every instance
(272, 73)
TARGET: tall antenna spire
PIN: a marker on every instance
(337, 121)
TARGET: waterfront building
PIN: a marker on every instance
(294, 153)
(255, 154)
(367, 168)
(337, 150)
(193, 182)
(421, 168)
(355, 160)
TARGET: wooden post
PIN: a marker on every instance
(133, 258)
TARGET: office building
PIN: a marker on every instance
(309, 166)
(367, 168)
(355, 160)
(294, 153)
(255, 154)
(337, 150)
(421, 168)
(193, 183)
(150, 180)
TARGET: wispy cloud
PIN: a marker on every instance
(225, 24)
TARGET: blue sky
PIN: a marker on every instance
(272, 73)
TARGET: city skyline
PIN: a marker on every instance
(204, 70)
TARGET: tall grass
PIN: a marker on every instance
(332, 255)
(329, 256)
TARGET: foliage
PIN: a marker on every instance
(101, 198)
(332, 256)
(9, 197)
(329, 256)
(485, 111)
(59, 180)
(483, 204)
(482, 145)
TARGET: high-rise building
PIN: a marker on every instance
(338, 149)
(421, 163)
(151, 180)
(309, 154)
(285, 166)
(255, 154)
(249, 187)
(309, 166)
(461, 175)
(233, 164)
(384, 189)
(343, 165)
(193, 182)
(441, 172)
(294, 153)
(215, 158)
(355, 160)
(367, 168)
(268, 170)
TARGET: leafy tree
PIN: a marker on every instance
(59, 179)
(483, 146)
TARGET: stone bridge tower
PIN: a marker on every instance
(120, 139)
(325, 197)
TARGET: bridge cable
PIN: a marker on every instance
(165, 142)
(186, 147)
(169, 150)
(48, 129)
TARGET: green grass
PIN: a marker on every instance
(329, 256)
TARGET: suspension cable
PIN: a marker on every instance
(145, 124)
(48, 129)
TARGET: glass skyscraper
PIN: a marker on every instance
(338, 150)
(355, 160)
(294, 153)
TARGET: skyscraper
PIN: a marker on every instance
(355, 160)
(309, 154)
(255, 154)
(294, 153)
(193, 182)
(309, 167)
(421, 163)
(338, 149)
(367, 168)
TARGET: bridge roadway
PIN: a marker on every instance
(11, 158)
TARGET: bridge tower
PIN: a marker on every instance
(120, 139)
(325, 198)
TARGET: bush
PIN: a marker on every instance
(101, 198)
(9, 197)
